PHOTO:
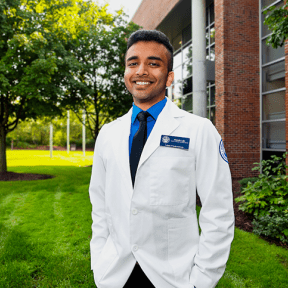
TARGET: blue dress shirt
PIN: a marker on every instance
(154, 111)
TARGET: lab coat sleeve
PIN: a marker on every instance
(97, 197)
(216, 219)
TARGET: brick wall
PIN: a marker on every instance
(151, 13)
(237, 82)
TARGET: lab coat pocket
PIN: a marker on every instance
(107, 256)
(169, 180)
(183, 238)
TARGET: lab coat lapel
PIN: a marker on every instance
(121, 148)
(166, 123)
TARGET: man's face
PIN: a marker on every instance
(146, 72)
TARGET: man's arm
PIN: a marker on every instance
(214, 186)
(97, 197)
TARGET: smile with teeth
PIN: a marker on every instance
(142, 83)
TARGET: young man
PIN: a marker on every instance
(146, 168)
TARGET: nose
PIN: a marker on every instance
(141, 70)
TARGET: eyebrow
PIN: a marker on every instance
(155, 58)
(132, 58)
(150, 58)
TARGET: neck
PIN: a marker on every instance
(147, 104)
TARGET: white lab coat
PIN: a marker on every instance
(155, 223)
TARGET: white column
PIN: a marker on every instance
(83, 134)
(199, 57)
(68, 131)
(51, 139)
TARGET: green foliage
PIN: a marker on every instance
(37, 66)
(273, 225)
(267, 198)
(25, 145)
(99, 83)
(90, 143)
(37, 132)
(57, 55)
(31, 132)
(59, 138)
(277, 21)
(244, 181)
(271, 188)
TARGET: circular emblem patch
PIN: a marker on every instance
(166, 139)
(222, 151)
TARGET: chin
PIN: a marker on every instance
(142, 98)
(145, 100)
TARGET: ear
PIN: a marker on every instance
(170, 78)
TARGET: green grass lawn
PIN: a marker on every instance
(45, 229)
(29, 158)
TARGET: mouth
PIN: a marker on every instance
(142, 83)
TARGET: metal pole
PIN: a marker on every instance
(83, 134)
(51, 139)
(68, 131)
(199, 57)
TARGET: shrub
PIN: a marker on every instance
(267, 199)
(25, 145)
(90, 143)
(59, 138)
(271, 188)
(244, 182)
(8, 141)
(274, 225)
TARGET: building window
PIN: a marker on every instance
(210, 55)
(182, 84)
(272, 90)
(182, 87)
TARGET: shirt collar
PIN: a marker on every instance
(154, 111)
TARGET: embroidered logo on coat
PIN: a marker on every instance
(165, 139)
(222, 151)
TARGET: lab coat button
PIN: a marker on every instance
(134, 211)
(135, 248)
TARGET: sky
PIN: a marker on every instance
(129, 6)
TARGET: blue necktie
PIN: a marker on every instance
(138, 143)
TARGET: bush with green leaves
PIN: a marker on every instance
(90, 143)
(25, 145)
(267, 199)
(37, 132)
(244, 181)
(274, 225)
(271, 188)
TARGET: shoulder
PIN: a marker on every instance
(115, 125)
(188, 117)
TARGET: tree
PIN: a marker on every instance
(100, 52)
(277, 22)
(18, 64)
(36, 62)
(33, 133)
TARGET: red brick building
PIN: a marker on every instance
(245, 77)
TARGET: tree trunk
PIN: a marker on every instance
(95, 133)
(3, 161)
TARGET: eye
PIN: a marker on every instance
(154, 64)
(132, 64)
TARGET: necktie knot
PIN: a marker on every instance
(142, 116)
